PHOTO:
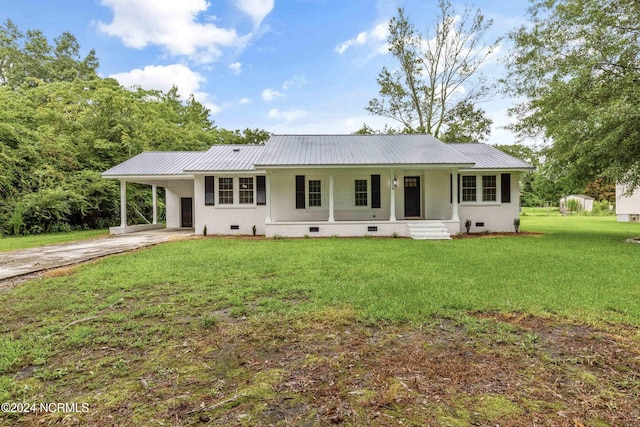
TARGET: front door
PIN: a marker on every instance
(411, 196)
(186, 212)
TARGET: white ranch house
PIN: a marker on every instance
(327, 185)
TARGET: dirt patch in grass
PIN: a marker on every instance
(328, 368)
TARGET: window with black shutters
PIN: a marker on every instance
(362, 193)
(245, 192)
(315, 193)
(225, 191)
(209, 192)
(489, 190)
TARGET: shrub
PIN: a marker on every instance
(573, 206)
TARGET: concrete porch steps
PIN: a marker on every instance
(431, 230)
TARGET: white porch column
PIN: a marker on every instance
(267, 181)
(392, 208)
(454, 195)
(154, 189)
(331, 217)
(123, 203)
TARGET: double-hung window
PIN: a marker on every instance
(246, 191)
(489, 188)
(361, 192)
(469, 188)
(225, 191)
(315, 193)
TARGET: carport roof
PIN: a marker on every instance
(153, 163)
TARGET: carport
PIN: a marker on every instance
(157, 169)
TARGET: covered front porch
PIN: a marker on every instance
(362, 202)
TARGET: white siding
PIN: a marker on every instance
(437, 189)
(627, 207)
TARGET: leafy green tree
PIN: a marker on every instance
(31, 56)
(578, 65)
(466, 123)
(61, 125)
(438, 78)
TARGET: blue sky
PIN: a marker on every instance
(287, 66)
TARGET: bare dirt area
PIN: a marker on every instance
(328, 369)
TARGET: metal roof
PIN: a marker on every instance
(226, 158)
(488, 157)
(154, 163)
(356, 150)
(318, 150)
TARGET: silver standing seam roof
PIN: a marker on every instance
(488, 157)
(229, 157)
(152, 163)
(357, 150)
(318, 150)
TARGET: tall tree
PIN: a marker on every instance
(31, 57)
(578, 65)
(438, 74)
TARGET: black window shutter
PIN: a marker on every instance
(209, 195)
(450, 188)
(261, 190)
(505, 184)
(459, 189)
(300, 202)
(375, 191)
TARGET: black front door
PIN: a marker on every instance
(411, 196)
(186, 212)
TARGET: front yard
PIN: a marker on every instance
(518, 330)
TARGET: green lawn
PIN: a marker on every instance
(125, 314)
(23, 242)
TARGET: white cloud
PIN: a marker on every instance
(172, 25)
(236, 68)
(376, 37)
(286, 115)
(256, 9)
(163, 77)
(244, 101)
(295, 81)
(270, 94)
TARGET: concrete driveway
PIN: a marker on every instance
(27, 261)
